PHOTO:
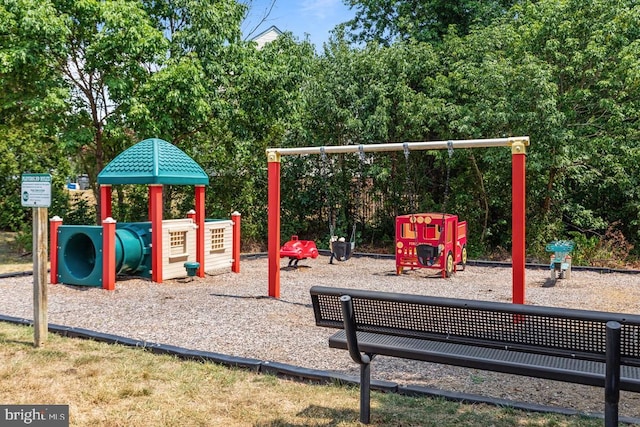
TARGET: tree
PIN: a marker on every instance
(186, 99)
(95, 54)
(385, 21)
(371, 95)
(492, 89)
(267, 103)
(110, 50)
(592, 49)
(564, 73)
(114, 63)
(32, 104)
(187, 89)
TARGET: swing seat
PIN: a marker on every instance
(427, 254)
(341, 250)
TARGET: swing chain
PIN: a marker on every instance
(323, 157)
(359, 188)
(447, 182)
(408, 183)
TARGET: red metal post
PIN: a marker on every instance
(149, 205)
(200, 229)
(273, 173)
(518, 209)
(54, 224)
(109, 254)
(105, 201)
(155, 215)
(235, 266)
(192, 215)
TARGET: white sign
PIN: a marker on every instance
(35, 191)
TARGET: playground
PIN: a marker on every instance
(193, 294)
(230, 313)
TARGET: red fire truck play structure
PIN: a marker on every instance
(431, 240)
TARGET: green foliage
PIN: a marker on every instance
(24, 239)
(386, 21)
(130, 203)
(80, 213)
(610, 249)
(586, 248)
(84, 80)
(32, 102)
(21, 150)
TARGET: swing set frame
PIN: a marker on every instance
(518, 188)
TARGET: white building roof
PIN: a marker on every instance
(268, 35)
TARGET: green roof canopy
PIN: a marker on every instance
(153, 161)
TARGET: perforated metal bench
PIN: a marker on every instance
(577, 346)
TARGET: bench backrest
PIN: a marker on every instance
(545, 330)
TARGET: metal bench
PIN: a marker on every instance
(577, 346)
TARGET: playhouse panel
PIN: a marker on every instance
(179, 246)
(218, 244)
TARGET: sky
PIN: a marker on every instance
(314, 17)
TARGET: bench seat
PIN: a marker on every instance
(587, 372)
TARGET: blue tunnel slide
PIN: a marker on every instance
(80, 255)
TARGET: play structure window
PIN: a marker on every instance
(462, 231)
(408, 231)
(449, 232)
(432, 231)
(217, 240)
(178, 249)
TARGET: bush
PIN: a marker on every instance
(609, 250)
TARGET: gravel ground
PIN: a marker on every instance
(231, 314)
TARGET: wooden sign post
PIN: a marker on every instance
(36, 193)
(40, 323)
